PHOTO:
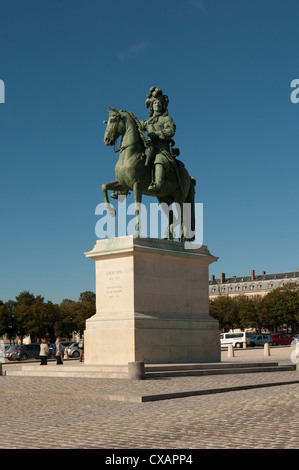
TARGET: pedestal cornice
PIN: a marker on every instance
(130, 244)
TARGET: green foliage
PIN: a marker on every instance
(75, 314)
(279, 309)
(30, 315)
(7, 321)
(223, 308)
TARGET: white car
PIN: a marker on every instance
(73, 350)
(238, 340)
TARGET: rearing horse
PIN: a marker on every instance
(131, 173)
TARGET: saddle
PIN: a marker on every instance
(173, 152)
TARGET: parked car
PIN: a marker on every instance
(236, 339)
(258, 340)
(26, 351)
(281, 338)
(9, 351)
(295, 340)
(51, 354)
(64, 344)
(73, 350)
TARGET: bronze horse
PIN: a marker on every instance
(133, 174)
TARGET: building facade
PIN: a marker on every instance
(255, 284)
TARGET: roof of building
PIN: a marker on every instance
(256, 277)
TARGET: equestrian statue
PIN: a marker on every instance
(148, 163)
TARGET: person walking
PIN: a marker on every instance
(44, 352)
(81, 348)
(58, 351)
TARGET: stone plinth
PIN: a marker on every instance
(152, 304)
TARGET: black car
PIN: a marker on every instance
(26, 351)
(51, 354)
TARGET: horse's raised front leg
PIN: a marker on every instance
(137, 199)
(113, 186)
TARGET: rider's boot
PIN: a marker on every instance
(156, 185)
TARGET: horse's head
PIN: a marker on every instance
(114, 127)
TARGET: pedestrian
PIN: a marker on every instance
(58, 351)
(81, 348)
(43, 352)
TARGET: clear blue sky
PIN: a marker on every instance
(226, 66)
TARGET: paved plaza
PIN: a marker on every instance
(72, 413)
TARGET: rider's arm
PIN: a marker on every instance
(169, 128)
(166, 131)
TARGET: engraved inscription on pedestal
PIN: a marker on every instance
(114, 286)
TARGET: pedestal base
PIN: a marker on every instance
(152, 304)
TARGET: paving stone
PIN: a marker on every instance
(261, 418)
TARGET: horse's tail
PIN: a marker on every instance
(191, 200)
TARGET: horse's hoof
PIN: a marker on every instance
(111, 211)
(154, 188)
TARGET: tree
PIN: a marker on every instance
(85, 308)
(67, 320)
(223, 308)
(246, 311)
(88, 297)
(8, 324)
(281, 308)
(3, 319)
(30, 315)
(34, 316)
(75, 313)
(43, 317)
(22, 311)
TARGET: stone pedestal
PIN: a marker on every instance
(152, 304)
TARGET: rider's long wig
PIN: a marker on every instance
(156, 94)
(151, 111)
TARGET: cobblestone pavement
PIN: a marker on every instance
(57, 413)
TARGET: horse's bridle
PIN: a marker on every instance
(114, 125)
(121, 148)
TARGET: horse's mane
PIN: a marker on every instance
(138, 124)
